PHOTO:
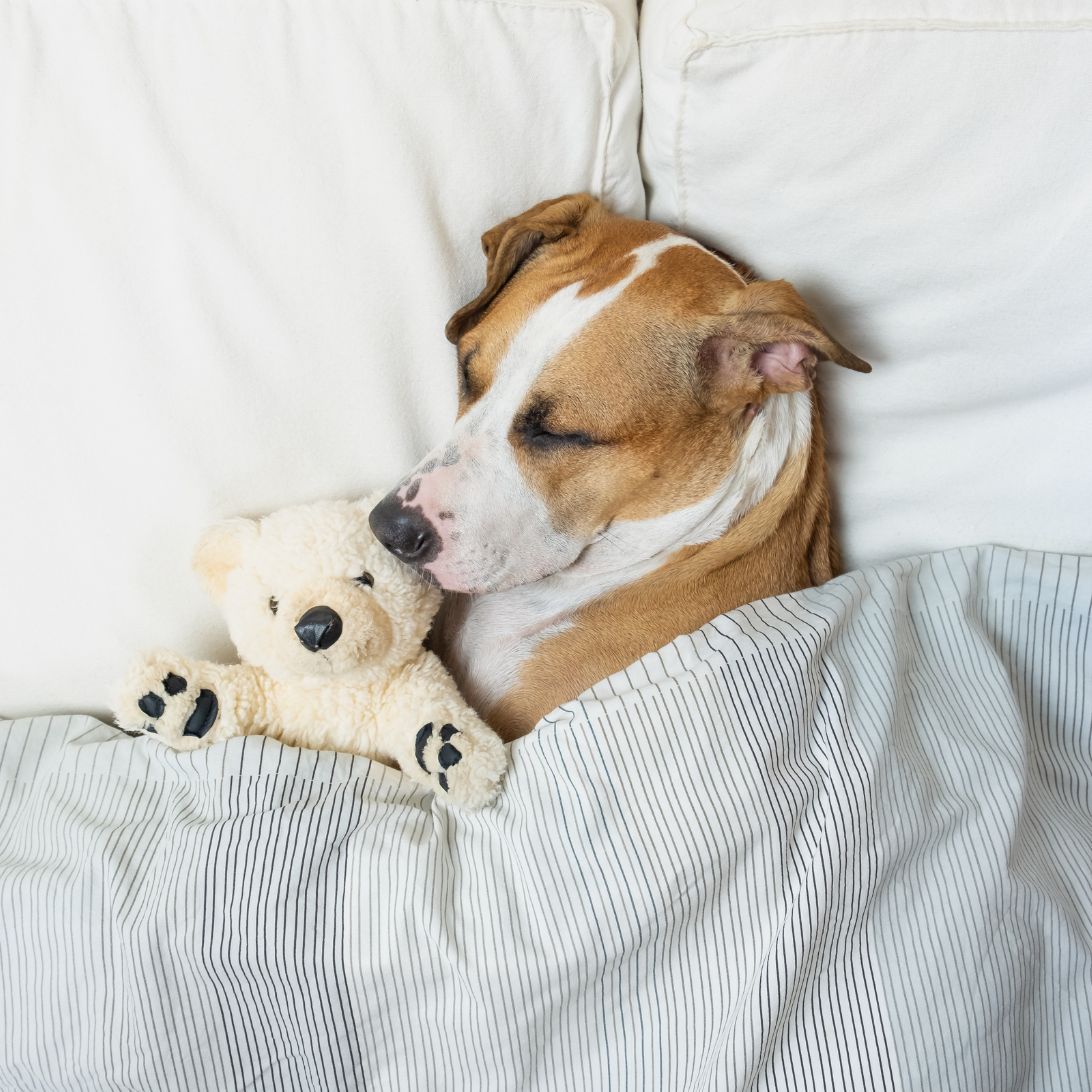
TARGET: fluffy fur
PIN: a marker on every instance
(373, 691)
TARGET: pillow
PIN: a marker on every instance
(230, 236)
(920, 171)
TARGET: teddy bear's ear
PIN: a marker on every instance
(219, 550)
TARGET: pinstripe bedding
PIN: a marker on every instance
(841, 839)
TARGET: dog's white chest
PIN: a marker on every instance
(490, 638)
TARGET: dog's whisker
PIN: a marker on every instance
(606, 536)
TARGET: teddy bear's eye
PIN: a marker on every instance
(366, 579)
(273, 605)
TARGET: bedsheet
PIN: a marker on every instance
(840, 839)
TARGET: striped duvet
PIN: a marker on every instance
(840, 839)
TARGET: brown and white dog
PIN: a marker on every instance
(638, 449)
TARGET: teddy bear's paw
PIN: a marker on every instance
(467, 766)
(166, 696)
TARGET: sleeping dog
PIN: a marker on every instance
(638, 449)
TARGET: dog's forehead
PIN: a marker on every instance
(642, 345)
(600, 301)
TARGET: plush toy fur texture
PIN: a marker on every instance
(330, 628)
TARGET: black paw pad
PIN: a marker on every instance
(204, 714)
(424, 734)
(151, 705)
(174, 684)
(449, 755)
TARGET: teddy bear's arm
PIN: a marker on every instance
(436, 738)
(192, 703)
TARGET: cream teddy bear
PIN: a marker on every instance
(330, 628)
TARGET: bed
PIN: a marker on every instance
(837, 839)
(840, 839)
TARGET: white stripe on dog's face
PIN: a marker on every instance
(496, 531)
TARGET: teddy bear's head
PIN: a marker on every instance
(309, 591)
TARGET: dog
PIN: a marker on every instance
(638, 448)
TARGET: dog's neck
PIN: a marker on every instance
(518, 653)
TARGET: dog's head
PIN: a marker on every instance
(616, 382)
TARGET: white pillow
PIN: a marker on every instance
(230, 236)
(921, 171)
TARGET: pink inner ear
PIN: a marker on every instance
(785, 365)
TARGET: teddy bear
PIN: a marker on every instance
(330, 629)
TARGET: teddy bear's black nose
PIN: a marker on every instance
(319, 628)
(405, 531)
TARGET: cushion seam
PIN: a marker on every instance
(728, 41)
(800, 30)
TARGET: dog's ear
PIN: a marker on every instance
(219, 550)
(769, 343)
(508, 245)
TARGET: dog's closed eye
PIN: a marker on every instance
(366, 579)
(544, 438)
(534, 430)
(466, 380)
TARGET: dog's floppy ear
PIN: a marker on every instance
(508, 245)
(219, 550)
(768, 343)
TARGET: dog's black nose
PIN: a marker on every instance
(404, 531)
(319, 628)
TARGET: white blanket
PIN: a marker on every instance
(841, 839)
